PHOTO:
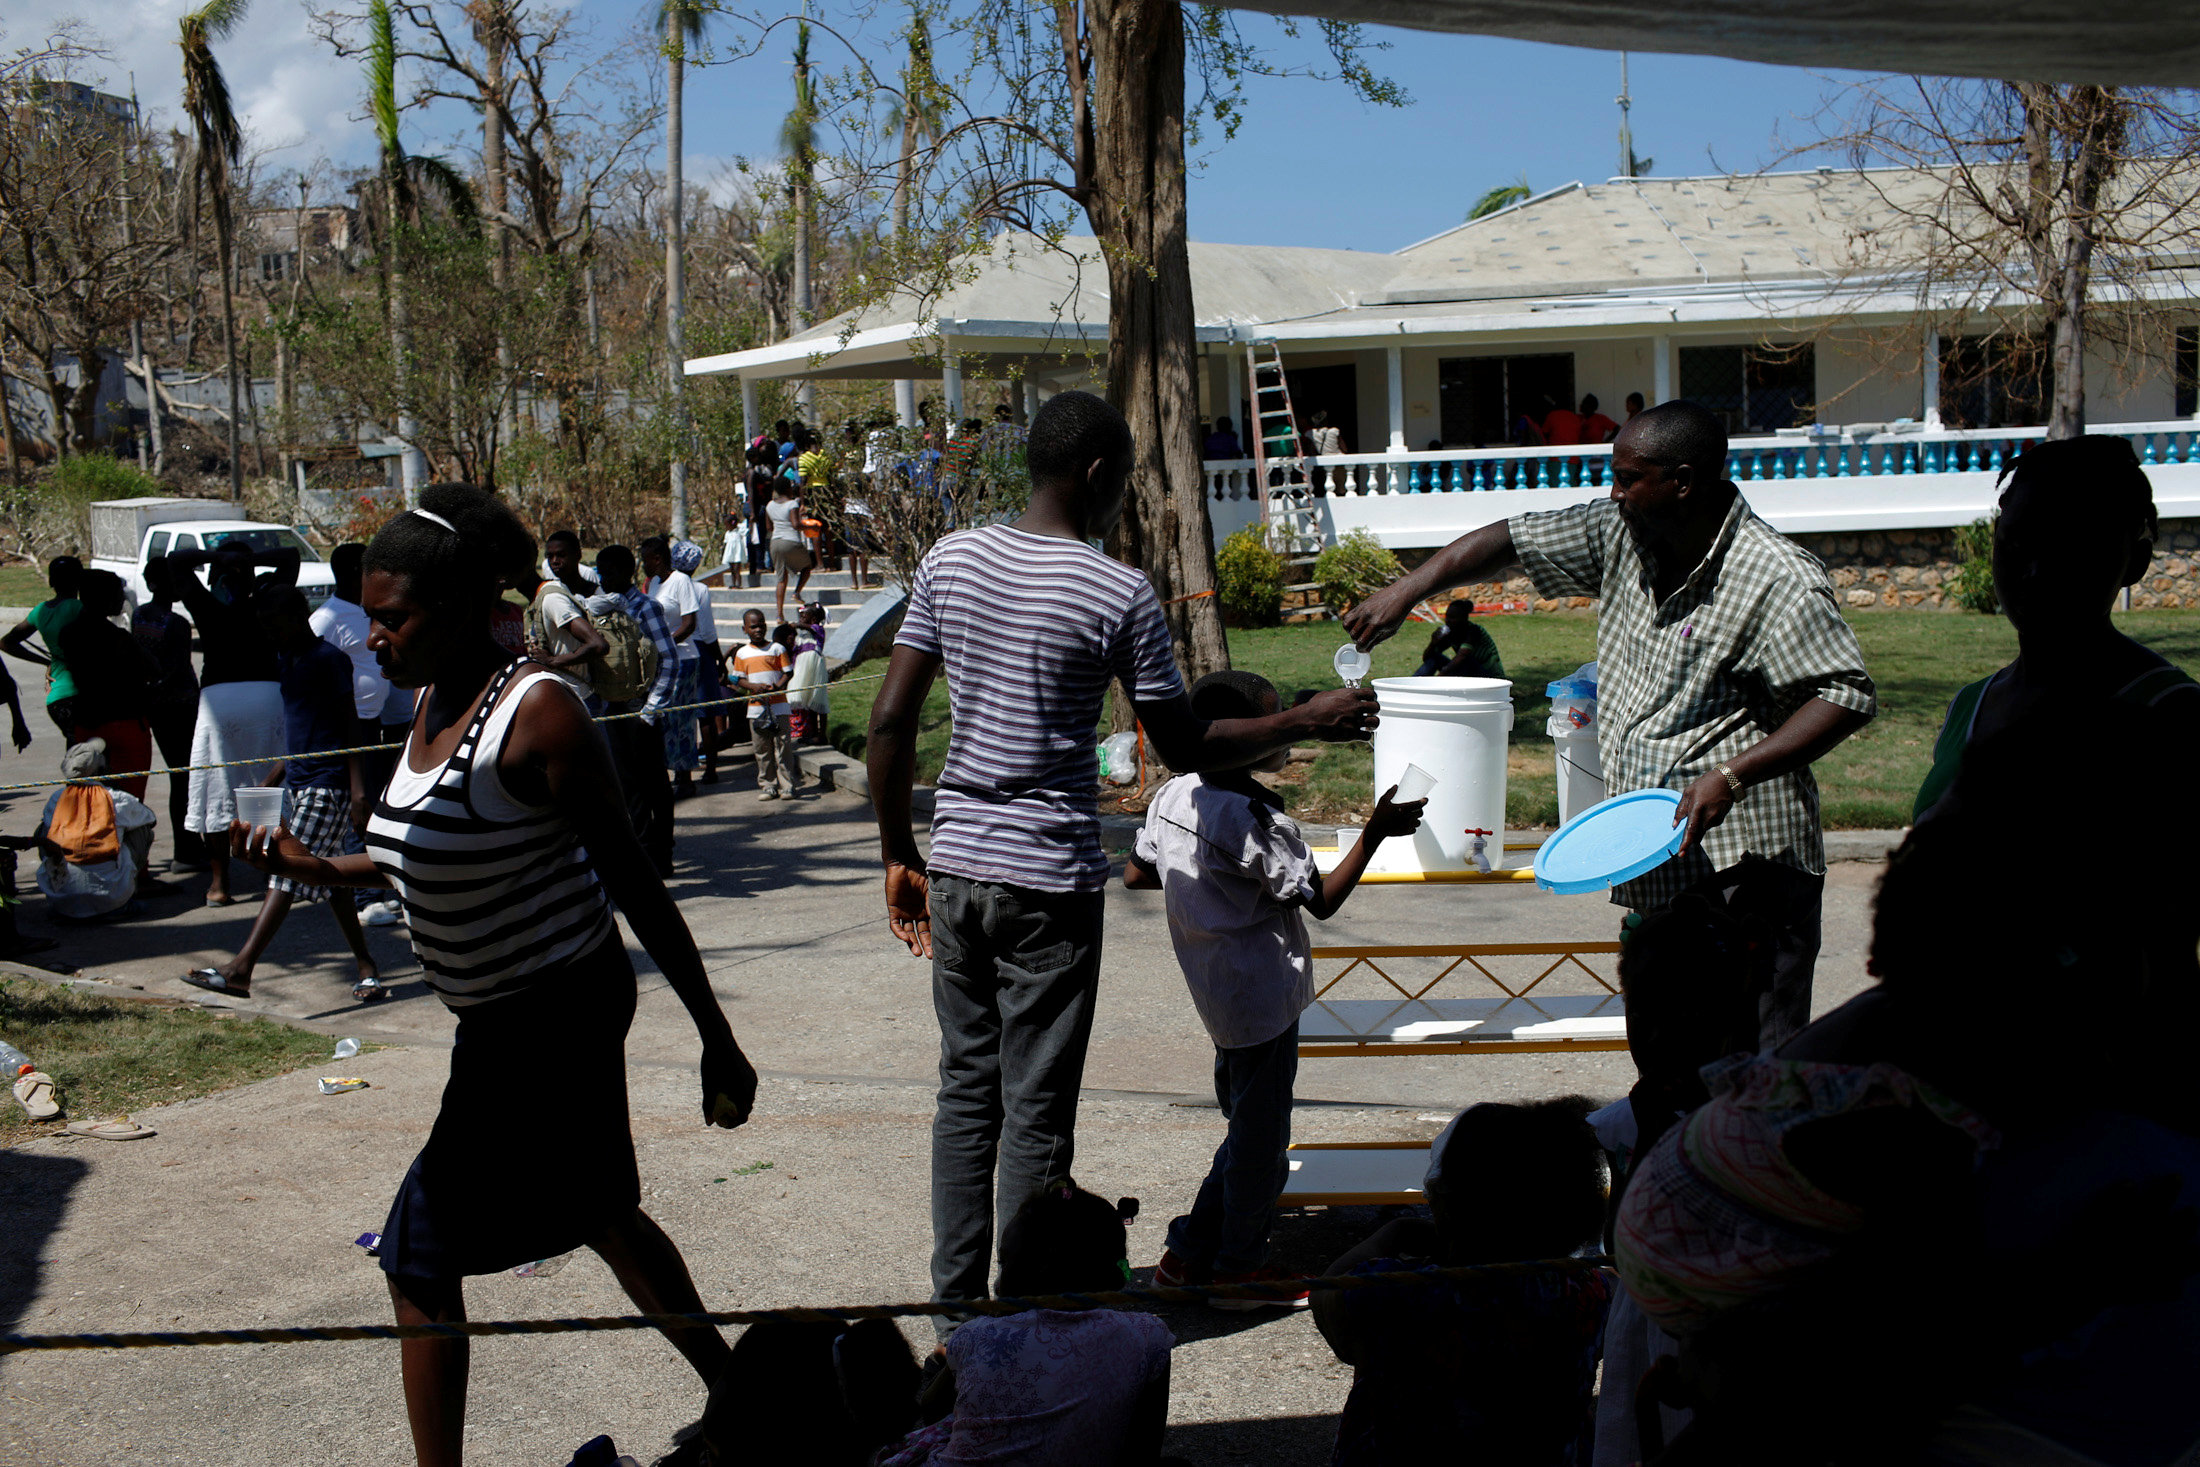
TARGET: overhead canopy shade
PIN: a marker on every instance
(2107, 41)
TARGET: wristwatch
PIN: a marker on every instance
(1733, 781)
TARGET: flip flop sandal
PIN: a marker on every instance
(213, 981)
(35, 1091)
(370, 990)
(122, 1128)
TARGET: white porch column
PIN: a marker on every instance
(1929, 364)
(1031, 400)
(1397, 363)
(1661, 370)
(905, 402)
(951, 386)
(750, 427)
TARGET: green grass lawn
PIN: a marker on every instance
(22, 585)
(1918, 658)
(111, 1056)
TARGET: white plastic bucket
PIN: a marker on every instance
(1456, 728)
(1580, 769)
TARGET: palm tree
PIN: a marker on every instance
(798, 139)
(382, 102)
(683, 24)
(220, 146)
(918, 116)
(1504, 196)
(401, 177)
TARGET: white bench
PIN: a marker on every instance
(1480, 998)
(1501, 1010)
(1355, 1174)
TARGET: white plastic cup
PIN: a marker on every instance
(1413, 785)
(1348, 836)
(260, 805)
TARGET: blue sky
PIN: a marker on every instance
(1310, 166)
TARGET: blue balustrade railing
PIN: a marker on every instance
(1832, 455)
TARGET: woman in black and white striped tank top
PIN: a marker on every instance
(495, 891)
(505, 833)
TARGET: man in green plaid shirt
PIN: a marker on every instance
(1726, 672)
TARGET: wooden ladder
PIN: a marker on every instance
(1286, 508)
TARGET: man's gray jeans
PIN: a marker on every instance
(1014, 972)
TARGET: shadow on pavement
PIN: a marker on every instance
(1277, 1441)
(34, 1198)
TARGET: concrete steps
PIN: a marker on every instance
(834, 590)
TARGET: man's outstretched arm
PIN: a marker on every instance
(1477, 555)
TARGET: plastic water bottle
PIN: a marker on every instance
(1119, 758)
(13, 1062)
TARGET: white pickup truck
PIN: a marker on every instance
(126, 533)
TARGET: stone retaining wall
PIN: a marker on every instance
(1917, 568)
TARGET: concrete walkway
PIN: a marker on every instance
(242, 1210)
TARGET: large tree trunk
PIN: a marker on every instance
(675, 274)
(1137, 211)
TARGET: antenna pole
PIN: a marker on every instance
(1626, 133)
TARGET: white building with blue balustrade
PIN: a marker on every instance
(1853, 408)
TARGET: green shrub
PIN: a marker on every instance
(1249, 577)
(1352, 568)
(1974, 587)
(85, 477)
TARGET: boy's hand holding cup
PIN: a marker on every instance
(1394, 817)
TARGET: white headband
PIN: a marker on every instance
(429, 514)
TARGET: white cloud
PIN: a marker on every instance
(292, 91)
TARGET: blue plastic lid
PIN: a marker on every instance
(1610, 843)
(1571, 687)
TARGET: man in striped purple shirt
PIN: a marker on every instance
(1032, 624)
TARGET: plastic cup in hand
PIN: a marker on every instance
(1351, 664)
(1413, 785)
(259, 805)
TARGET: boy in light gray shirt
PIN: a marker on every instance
(1235, 872)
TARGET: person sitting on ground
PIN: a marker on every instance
(1497, 1369)
(1595, 427)
(503, 832)
(1236, 874)
(2076, 525)
(1459, 648)
(823, 1395)
(762, 665)
(114, 680)
(1054, 1387)
(94, 842)
(1832, 1311)
(326, 799)
(1691, 974)
(46, 620)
